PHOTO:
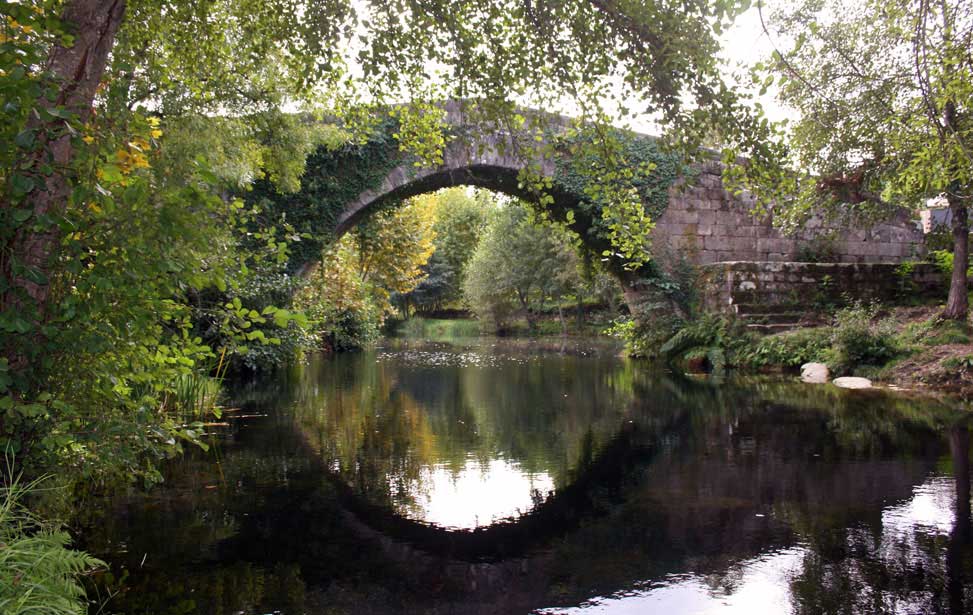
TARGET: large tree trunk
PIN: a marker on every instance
(78, 70)
(957, 305)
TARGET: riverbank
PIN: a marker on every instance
(593, 324)
(898, 347)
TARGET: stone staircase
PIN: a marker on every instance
(776, 318)
(775, 296)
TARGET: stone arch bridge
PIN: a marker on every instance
(693, 212)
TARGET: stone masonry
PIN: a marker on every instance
(712, 225)
(775, 295)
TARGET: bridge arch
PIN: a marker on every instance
(692, 211)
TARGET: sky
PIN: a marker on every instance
(743, 44)
(746, 43)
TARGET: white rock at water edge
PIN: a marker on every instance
(814, 373)
(849, 382)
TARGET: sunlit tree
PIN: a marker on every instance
(884, 94)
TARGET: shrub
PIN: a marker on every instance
(856, 340)
(341, 330)
(943, 260)
(791, 349)
(646, 330)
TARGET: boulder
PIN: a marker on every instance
(815, 373)
(849, 382)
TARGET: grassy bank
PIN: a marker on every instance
(908, 347)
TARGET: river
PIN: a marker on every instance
(511, 476)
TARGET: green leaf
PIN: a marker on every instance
(21, 215)
(111, 173)
(25, 139)
(59, 112)
(21, 185)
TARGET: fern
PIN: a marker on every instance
(713, 338)
(689, 337)
(38, 570)
(717, 359)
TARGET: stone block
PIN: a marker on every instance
(708, 256)
(765, 244)
(710, 181)
(717, 243)
(686, 216)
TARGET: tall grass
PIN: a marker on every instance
(38, 571)
(195, 394)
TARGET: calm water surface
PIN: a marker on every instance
(491, 476)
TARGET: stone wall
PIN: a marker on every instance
(707, 222)
(744, 288)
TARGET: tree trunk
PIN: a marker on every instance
(531, 320)
(525, 306)
(78, 71)
(580, 312)
(958, 303)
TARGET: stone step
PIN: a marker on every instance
(774, 318)
(774, 308)
(774, 328)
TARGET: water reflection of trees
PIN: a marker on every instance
(382, 424)
(731, 473)
(764, 466)
(887, 569)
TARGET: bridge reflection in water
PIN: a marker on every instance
(367, 488)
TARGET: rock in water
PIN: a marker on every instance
(815, 373)
(849, 382)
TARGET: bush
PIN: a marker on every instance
(791, 349)
(344, 311)
(341, 330)
(856, 340)
(645, 331)
(943, 259)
